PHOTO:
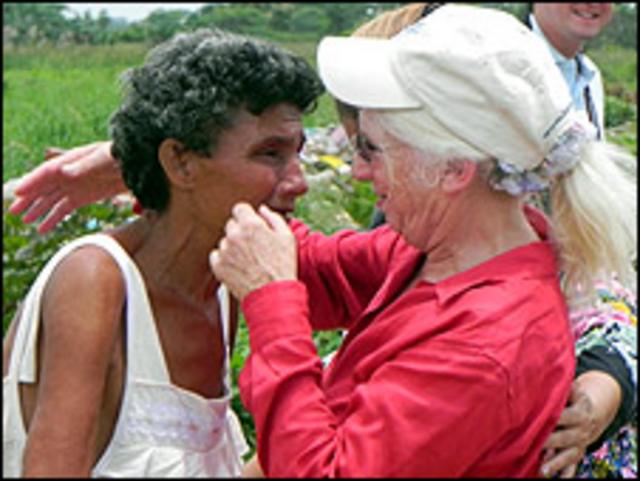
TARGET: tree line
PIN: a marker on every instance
(54, 23)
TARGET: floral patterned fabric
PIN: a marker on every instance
(613, 324)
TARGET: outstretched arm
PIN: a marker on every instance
(69, 180)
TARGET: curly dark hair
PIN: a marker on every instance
(191, 88)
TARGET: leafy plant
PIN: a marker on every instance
(618, 112)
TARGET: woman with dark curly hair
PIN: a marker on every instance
(117, 364)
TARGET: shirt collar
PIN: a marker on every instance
(534, 260)
(557, 56)
(565, 64)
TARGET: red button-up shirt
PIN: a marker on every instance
(465, 377)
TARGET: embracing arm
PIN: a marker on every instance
(594, 401)
(621, 401)
(81, 310)
(68, 180)
(604, 393)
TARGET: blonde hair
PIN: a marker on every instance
(593, 213)
(390, 23)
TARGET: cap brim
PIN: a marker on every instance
(359, 71)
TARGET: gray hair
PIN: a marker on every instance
(190, 88)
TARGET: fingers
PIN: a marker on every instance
(564, 438)
(55, 216)
(244, 215)
(40, 206)
(547, 455)
(571, 416)
(51, 152)
(564, 461)
(88, 157)
(37, 180)
(566, 446)
(275, 220)
(19, 205)
(245, 219)
(243, 211)
(578, 411)
(569, 471)
(214, 260)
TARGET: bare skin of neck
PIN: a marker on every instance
(477, 228)
(174, 259)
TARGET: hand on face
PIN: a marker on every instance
(258, 248)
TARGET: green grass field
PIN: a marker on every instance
(65, 97)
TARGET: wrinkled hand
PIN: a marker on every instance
(71, 179)
(594, 401)
(257, 249)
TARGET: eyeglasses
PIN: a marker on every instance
(363, 147)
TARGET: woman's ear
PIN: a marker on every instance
(457, 175)
(178, 162)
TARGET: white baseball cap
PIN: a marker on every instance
(476, 76)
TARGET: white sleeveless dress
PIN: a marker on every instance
(162, 430)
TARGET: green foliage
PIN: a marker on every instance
(622, 31)
(25, 252)
(305, 19)
(38, 114)
(618, 112)
(619, 70)
(35, 23)
(74, 57)
(625, 135)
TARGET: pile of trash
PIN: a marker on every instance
(327, 152)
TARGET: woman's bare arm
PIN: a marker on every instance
(81, 312)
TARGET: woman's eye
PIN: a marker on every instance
(273, 154)
(365, 148)
(371, 147)
(273, 157)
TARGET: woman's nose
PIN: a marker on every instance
(294, 183)
(361, 169)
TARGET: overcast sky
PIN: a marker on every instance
(130, 11)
